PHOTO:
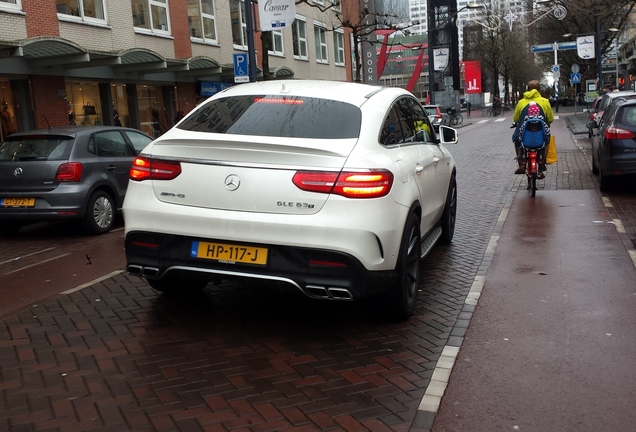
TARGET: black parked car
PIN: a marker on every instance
(614, 147)
(66, 173)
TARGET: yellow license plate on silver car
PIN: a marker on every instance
(229, 253)
(17, 202)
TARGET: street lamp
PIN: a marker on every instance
(432, 29)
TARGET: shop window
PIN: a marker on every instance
(299, 36)
(202, 19)
(119, 97)
(239, 28)
(151, 15)
(152, 112)
(86, 10)
(84, 103)
(7, 112)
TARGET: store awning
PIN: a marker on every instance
(54, 51)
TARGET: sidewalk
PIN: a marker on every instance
(548, 338)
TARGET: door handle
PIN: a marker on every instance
(418, 168)
(435, 160)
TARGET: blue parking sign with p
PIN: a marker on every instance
(241, 72)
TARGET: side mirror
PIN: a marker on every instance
(591, 124)
(447, 135)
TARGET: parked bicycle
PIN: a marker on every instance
(455, 117)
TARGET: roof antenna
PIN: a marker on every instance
(47, 121)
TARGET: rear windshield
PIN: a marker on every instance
(627, 116)
(35, 148)
(276, 116)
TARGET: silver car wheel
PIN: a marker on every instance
(103, 212)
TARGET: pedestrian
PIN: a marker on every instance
(468, 107)
(540, 106)
(7, 121)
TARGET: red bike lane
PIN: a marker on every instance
(550, 345)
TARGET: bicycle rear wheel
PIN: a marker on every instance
(487, 112)
(459, 118)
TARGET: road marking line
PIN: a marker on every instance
(482, 121)
(26, 256)
(38, 263)
(500, 119)
(94, 281)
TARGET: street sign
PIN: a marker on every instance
(575, 78)
(241, 73)
(556, 69)
(542, 48)
(561, 46)
(575, 68)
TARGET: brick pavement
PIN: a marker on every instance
(117, 356)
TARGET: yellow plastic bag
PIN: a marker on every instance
(551, 154)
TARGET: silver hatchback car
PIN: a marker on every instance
(66, 173)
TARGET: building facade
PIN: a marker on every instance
(146, 63)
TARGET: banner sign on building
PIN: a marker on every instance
(209, 88)
(472, 75)
(369, 53)
(276, 14)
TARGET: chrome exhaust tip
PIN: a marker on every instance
(150, 272)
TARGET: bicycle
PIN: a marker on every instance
(492, 111)
(455, 117)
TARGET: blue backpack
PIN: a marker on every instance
(532, 131)
(535, 133)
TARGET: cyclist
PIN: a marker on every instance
(531, 95)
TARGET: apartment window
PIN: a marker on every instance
(10, 4)
(202, 19)
(320, 38)
(336, 5)
(239, 28)
(151, 15)
(338, 48)
(299, 36)
(84, 9)
(276, 42)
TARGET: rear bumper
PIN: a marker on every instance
(64, 202)
(317, 273)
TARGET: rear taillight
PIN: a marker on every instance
(69, 172)
(351, 184)
(438, 114)
(153, 169)
(617, 133)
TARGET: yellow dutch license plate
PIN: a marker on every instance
(17, 202)
(229, 253)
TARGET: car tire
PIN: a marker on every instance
(403, 296)
(449, 216)
(100, 213)
(605, 182)
(10, 228)
(594, 167)
(178, 284)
